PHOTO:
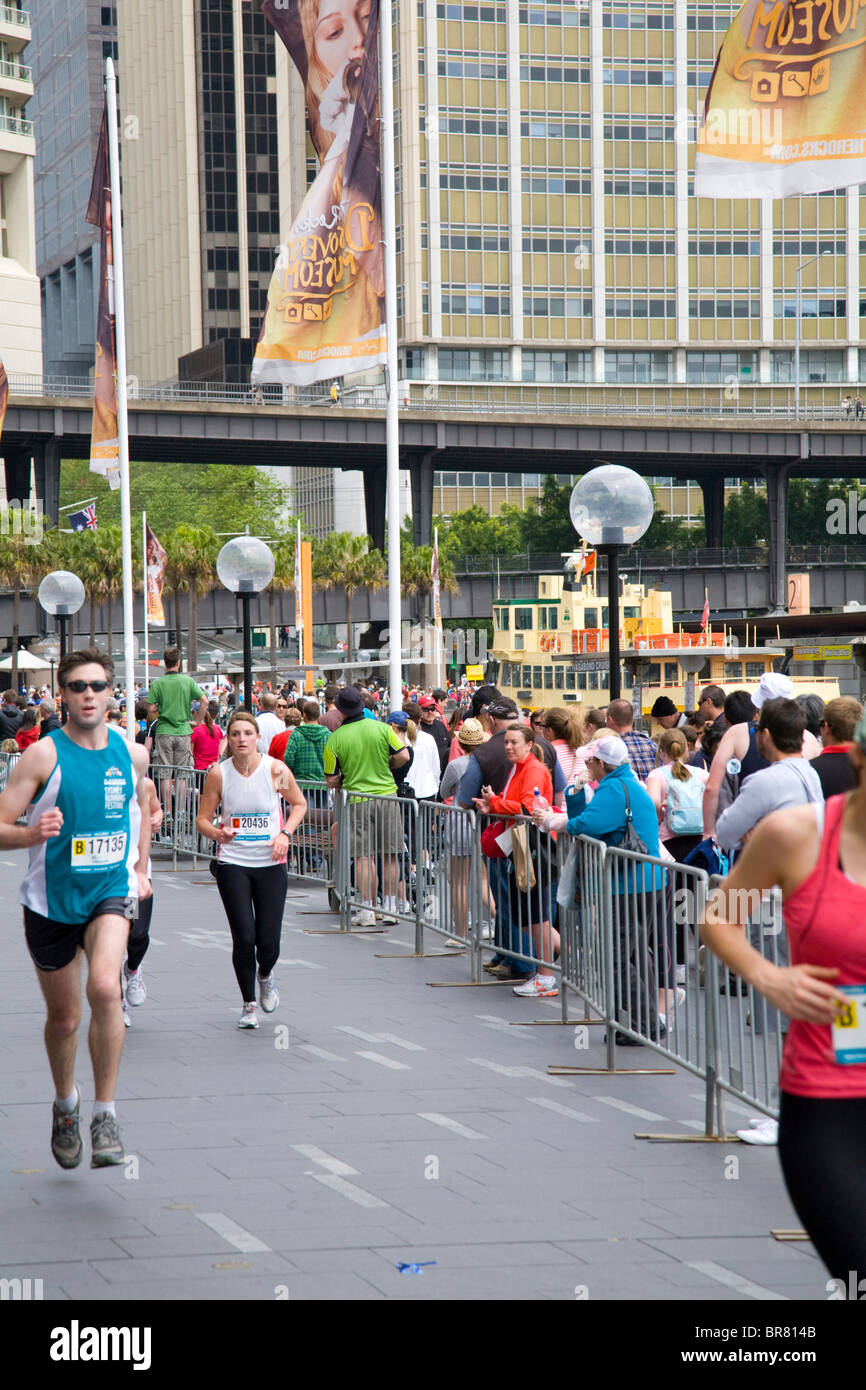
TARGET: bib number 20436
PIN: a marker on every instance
(251, 825)
(849, 1028)
(98, 851)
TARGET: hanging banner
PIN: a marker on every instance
(155, 579)
(326, 308)
(104, 444)
(784, 110)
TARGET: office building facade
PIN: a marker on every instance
(20, 328)
(71, 40)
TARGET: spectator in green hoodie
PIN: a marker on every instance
(304, 754)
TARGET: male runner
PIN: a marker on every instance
(83, 789)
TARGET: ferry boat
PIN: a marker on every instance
(552, 650)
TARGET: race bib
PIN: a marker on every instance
(250, 826)
(91, 852)
(849, 1029)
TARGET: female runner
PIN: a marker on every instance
(251, 869)
(817, 855)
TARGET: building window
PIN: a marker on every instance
(754, 670)
(523, 619)
(815, 365)
(637, 367)
(557, 364)
(716, 368)
(733, 670)
(473, 364)
(672, 673)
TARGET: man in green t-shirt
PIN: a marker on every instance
(358, 758)
(173, 694)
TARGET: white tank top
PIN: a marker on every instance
(250, 807)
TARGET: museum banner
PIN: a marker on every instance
(784, 110)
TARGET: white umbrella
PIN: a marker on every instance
(26, 662)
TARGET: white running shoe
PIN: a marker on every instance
(127, 1021)
(455, 943)
(540, 986)
(765, 1131)
(136, 990)
(363, 918)
(268, 996)
(249, 1018)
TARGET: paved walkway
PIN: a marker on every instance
(372, 1122)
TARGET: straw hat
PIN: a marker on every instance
(470, 733)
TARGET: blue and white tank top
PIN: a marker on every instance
(250, 807)
(95, 854)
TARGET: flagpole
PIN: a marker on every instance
(122, 415)
(299, 606)
(144, 573)
(392, 422)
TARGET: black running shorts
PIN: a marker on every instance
(53, 945)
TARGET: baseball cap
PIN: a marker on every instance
(774, 686)
(663, 707)
(503, 708)
(426, 702)
(398, 717)
(611, 751)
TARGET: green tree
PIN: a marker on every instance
(545, 526)
(416, 576)
(17, 566)
(195, 550)
(807, 509)
(284, 579)
(473, 532)
(746, 518)
(225, 497)
(345, 561)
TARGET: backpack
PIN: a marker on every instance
(684, 808)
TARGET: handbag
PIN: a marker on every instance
(524, 871)
(631, 840)
(490, 846)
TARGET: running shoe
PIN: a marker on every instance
(105, 1141)
(365, 917)
(268, 996)
(540, 986)
(764, 1131)
(127, 1021)
(136, 990)
(66, 1144)
(249, 1018)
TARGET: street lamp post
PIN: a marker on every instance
(61, 594)
(245, 567)
(611, 507)
(52, 655)
(799, 329)
(217, 657)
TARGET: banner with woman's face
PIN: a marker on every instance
(325, 314)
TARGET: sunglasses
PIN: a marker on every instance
(79, 687)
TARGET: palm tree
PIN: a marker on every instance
(345, 561)
(109, 558)
(175, 580)
(195, 551)
(284, 578)
(17, 561)
(416, 575)
(83, 558)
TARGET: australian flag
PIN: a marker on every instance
(85, 520)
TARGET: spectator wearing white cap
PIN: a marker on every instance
(619, 794)
(738, 755)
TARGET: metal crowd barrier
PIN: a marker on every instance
(747, 1032)
(7, 762)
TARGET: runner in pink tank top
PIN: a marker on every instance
(817, 857)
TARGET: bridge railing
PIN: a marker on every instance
(731, 557)
(822, 402)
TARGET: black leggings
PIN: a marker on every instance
(822, 1147)
(254, 899)
(139, 934)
